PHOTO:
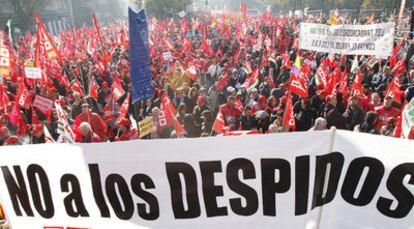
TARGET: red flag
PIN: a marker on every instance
(5, 58)
(123, 111)
(186, 44)
(117, 90)
(23, 97)
(169, 45)
(395, 51)
(398, 128)
(51, 50)
(286, 61)
(98, 31)
(169, 112)
(394, 91)
(252, 80)
(289, 117)
(93, 89)
(357, 85)
(222, 82)
(322, 75)
(77, 87)
(4, 99)
(206, 48)
(343, 84)
(299, 84)
(219, 124)
(38, 49)
(192, 72)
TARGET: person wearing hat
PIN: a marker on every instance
(96, 122)
(386, 111)
(125, 133)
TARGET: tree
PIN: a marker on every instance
(163, 9)
(25, 11)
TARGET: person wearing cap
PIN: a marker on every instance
(230, 113)
(386, 111)
(96, 122)
(260, 105)
(354, 114)
(125, 133)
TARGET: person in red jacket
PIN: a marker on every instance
(97, 123)
(125, 132)
(230, 113)
(386, 111)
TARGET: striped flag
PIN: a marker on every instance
(48, 136)
(64, 128)
(333, 20)
(372, 61)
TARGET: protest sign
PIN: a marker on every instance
(33, 73)
(167, 56)
(182, 14)
(320, 180)
(43, 104)
(374, 39)
(146, 127)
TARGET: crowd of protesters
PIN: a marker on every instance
(241, 71)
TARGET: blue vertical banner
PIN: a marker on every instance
(139, 54)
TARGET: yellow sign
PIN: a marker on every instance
(145, 127)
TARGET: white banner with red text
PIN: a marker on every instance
(374, 39)
(324, 180)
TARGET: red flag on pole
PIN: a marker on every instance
(5, 58)
(93, 89)
(43, 36)
(357, 85)
(289, 117)
(169, 112)
(394, 91)
(219, 124)
(117, 90)
(98, 31)
(123, 111)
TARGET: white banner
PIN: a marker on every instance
(303, 180)
(375, 39)
(33, 73)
